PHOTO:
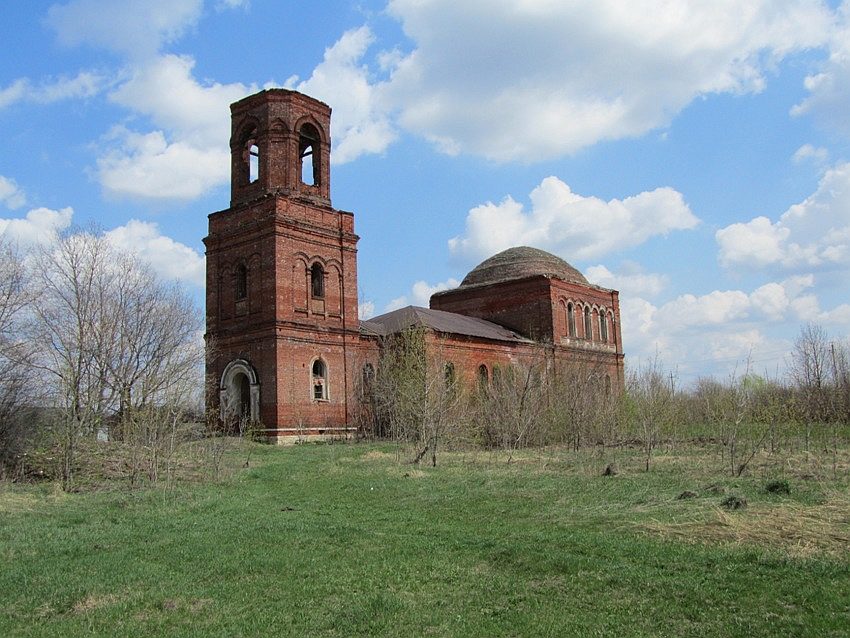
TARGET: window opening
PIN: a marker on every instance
(483, 376)
(307, 153)
(253, 163)
(368, 375)
(571, 320)
(449, 374)
(603, 327)
(320, 386)
(317, 281)
(588, 326)
(241, 281)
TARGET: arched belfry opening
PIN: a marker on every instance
(309, 155)
(239, 393)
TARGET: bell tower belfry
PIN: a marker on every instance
(282, 325)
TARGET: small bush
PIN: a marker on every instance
(778, 486)
(734, 502)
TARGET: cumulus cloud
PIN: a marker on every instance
(168, 258)
(721, 330)
(829, 88)
(810, 153)
(38, 226)
(361, 125)
(630, 280)
(188, 153)
(11, 196)
(572, 225)
(420, 294)
(137, 28)
(812, 234)
(84, 84)
(530, 80)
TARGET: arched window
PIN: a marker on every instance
(588, 324)
(603, 327)
(483, 376)
(368, 375)
(449, 374)
(571, 319)
(308, 154)
(253, 163)
(241, 281)
(320, 380)
(317, 281)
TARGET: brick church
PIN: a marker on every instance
(285, 346)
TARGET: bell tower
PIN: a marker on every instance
(282, 325)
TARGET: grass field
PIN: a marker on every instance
(344, 540)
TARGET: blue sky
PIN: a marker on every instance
(694, 156)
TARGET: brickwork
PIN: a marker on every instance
(284, 341)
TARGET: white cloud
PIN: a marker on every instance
(395, 304)
(366, 310)
(137, 28)
(812, 234)
(360, 123)
(630, 280)
(168, 258)
(717, 332)
(807, 152)
(84, 84)
(188, 154)
(10, 195)
(38, 226)
(829, 88)
(572, 225)
(536, 79)
(420, 294)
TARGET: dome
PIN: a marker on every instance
(521, 262)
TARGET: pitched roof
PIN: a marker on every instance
(439, 321)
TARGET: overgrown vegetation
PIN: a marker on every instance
(93, 345)
(416, 401)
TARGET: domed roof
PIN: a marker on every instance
(521, 262)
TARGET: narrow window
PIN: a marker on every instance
(253, 163)
(603, 327)
(449, 374)
(368, 375)
(241, 282)
(308, 155)
(607, 385)
(483, 376)
(588, 325)
(571, 319)
(317, 281)
(320, 385)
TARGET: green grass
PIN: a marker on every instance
(341, 540)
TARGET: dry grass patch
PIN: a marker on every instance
(93, 602)
(798, 529)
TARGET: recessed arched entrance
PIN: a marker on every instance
(239, 392)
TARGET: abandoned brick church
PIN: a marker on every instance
(285, 345)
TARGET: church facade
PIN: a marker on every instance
(285, 346)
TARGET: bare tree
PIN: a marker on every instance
(413, 397)
(16, 389)
(111, 339)
(650, 405)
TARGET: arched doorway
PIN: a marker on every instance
(239, 392)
